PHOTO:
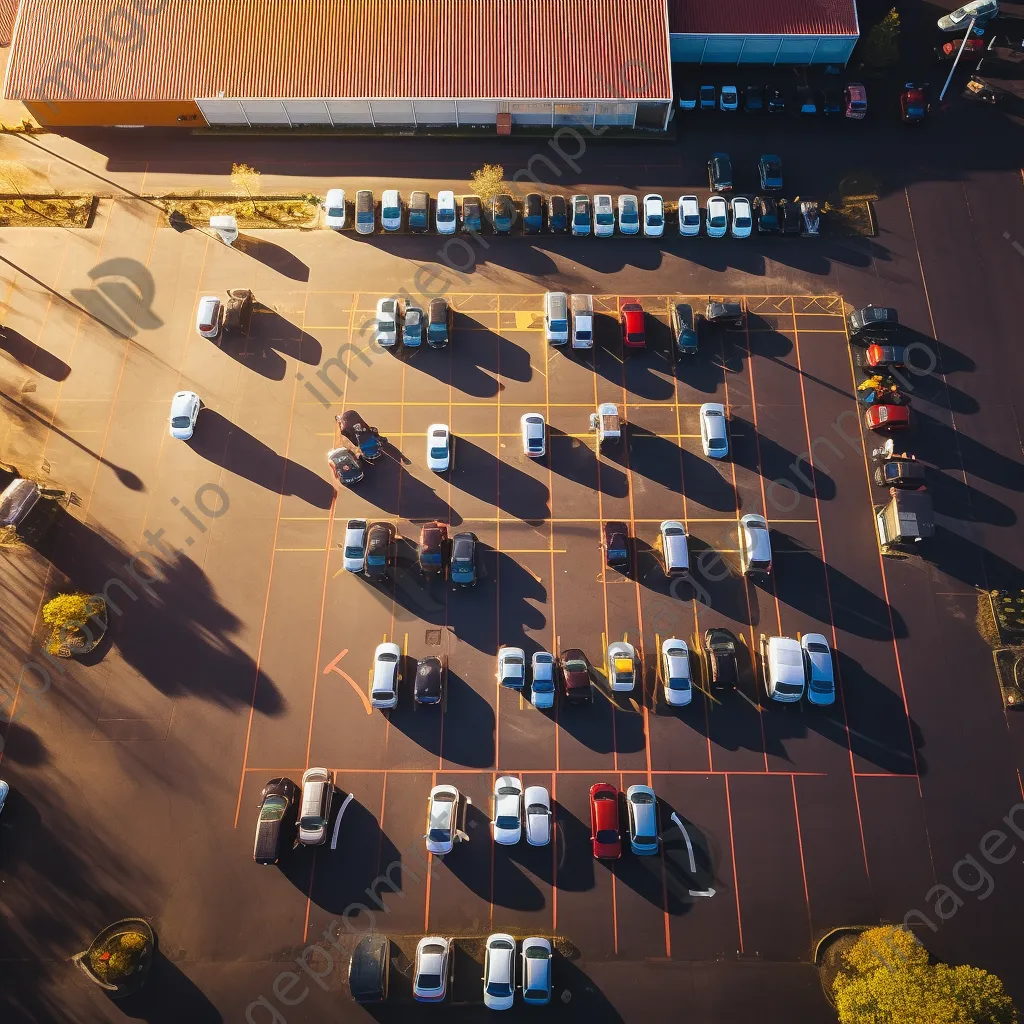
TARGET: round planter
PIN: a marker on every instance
(83, 642)
(827, 968)
(110, 943)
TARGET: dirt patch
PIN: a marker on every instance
(985, 621)
(46, 211)
(851, 217)
(270, 212)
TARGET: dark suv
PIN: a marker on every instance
(472, 219)
(503, 213)
(720, 172)
(275, 825)
(380, 551)
(439, 323)
(419, 212)
(558, 218)
(366, 438)
(616, 545)
(873, 320)
(721, 649)
(462, 569)
(683, 328)
(433, 547)
(533, 214)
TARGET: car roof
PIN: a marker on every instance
(181, 401)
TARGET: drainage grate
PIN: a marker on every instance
(433, 638)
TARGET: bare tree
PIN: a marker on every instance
(247, 179)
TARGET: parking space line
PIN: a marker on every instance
(430, 861)
(568, 771)
(553, 552)
(735, 877)
(803, 865)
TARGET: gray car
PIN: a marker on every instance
(642, 813)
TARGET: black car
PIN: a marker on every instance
(275, 825)
(900, 473)
(873, 320)
(730, 314)
(790, 220)
(428, 687)
(472, 215)
(419, 212)
(832, 101)
(776, 101)
(462, 567)
(345, 466)
(766, 211)
(366, 438)
(439, 323)
(380, 550)
(806, 101)
(369, 969)
(238, 312)
(432, 548)
(683, 328)
(753, 99)
(720, 172)
(533, 214)
(721, 649)
(688, 96)
(503, 213)
(558, 218)
(616, 545)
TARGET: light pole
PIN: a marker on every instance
(970, 30)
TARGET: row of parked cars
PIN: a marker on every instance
(850, 100)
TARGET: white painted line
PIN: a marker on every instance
(693, 863)
(337, 824)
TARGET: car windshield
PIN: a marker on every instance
(575, 666)
(513, 661)
(365, 217)
(607, 835)
(273, 808)
(390, 211)
(691, 218)
(499, 989)
(617, 553)
(788, 687)
(559, 326)
(439, 452)
(543, 685)
(634, 338)
(429, 981)
(311, 821)
(446, 216)
(742, 221)
(354, 551)
(412, 330)
(630, 215)
(605, 218)
(655, 219)
(716, 443)
(821, 685)
(388, 659)
(437, 330)
(817, 648)
(381, 694)
(678, 683)
(507, 821)
(180, 421)
(336, 211)
(718, 220)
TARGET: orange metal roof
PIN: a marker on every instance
(764, 17)
(8, 10)
(474, 49)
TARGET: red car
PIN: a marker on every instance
(576, 676)
(887, 417)
(604, 821)
(913, 104)
(631, 319)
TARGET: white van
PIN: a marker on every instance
(583, 321)
(556, 317)
(675, 548)
(755, 546)
(783, 663)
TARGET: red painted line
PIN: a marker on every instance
(430, 864)
(803, 864)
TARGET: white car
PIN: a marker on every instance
(689, 215)
(439, 448)
(5, 790)
(742, 219)
(444, 213)
(580, 214)
(209, 317)
(534, 433)
(729, 98)
(622, 666)
(629, 215)
(442, 820)
(507, 807)
(334, 209)
(675, 672)
(642, 819)
(821, 681)
(717, 217)
(604, 216)
(542, 689)
(354, 553)
(185, 406)
(433, 966)
(714, 435)
(654, 216)
(536, 970)
(511, 667)
(387, 322)
(538, 816)
(983, 10)
(391, 210)
(499, 972)
(384, 683)
(783, 663)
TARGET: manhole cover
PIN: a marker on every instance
(433, 638)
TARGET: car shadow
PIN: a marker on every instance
(633, 370)
(270, 339)
(167, 997)
(575, 459)
(470, 742)
(769, 459)
(273, 256)
(485, 476)
(701, 477)
(654, 456)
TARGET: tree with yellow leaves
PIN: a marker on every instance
(488, 181)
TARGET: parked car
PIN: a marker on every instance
(806, 102)
(631, 322)
(714, 435)
(366, 217)
(629, 215)
(463, 561)
(689, 216)
(428, 686)
(581, 215)
(887, 417)
(391, 210)
(688, 95)
(388, 315)
(419, 212)
(949, 51)
(369, 969)
(558, 219)
(982, 11)
(533, 213)
(537, 815)
(720, 172)
(742, 217)
(499, 971)
(810, 213)
(782, 662)
(767, 212)
(507, 810)
(753, 99)
(721, 649)
(790, 221)
(511, 667)
(675, 550)
(185, 409)
(913, 104)
(386, 675)
(576, 676)
(334, 209)
(366, 438)
(855, 98)
(707, 97)
(439, 323)
(642, 820)
(832, 102)
(900, 472)
(755, 545)
(345, 466)
(534, 433)
(432, 548)
(604, 821)
(881, 357)
(683, 328)
(873, 320)
(676, 680)
(542, 688)
(654, 216)
(432, 968)
(717, 217)
(819, 670)
(503, 213)
(728, 314)
(472, 215)
(412, 327)
(776, 101)
(209, 317)
(354, 550)
(536, 970)
(622, 666)
(275, 824)
(769, 170)
(616, 545)
(380, 550)
(315, 806)
(442, 820)
(604, 216)
(445, 218)
(728, 98)
(439, 448)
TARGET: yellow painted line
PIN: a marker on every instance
(532, 551)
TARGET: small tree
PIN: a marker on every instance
(889, 980)
(66, 615)
(489, 181)
(882, 45)
(247, 179)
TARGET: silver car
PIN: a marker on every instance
(442, 820)
(512, 667)
(433, 958)
(507, 802)
(315, 806)
(354, 551)
(542, 689)
(642, 813)
(675, 672)
(499, 971)
(538, 816)
(536, 971)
